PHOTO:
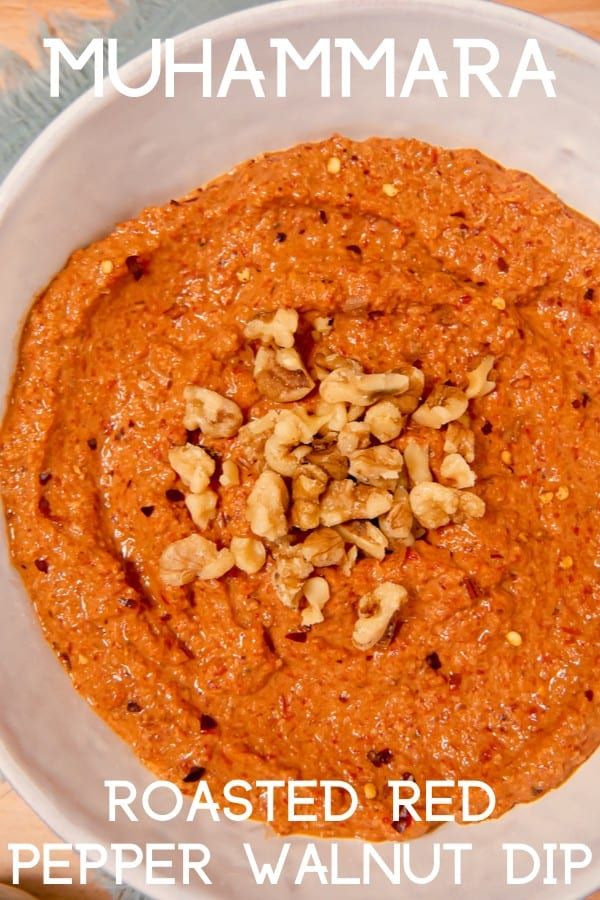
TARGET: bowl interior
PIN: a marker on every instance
(102, 161)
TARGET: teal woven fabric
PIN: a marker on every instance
(25, 105)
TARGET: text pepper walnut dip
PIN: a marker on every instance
(302, 471)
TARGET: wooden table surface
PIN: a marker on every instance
(17, 30)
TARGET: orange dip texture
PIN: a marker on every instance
(464, 259)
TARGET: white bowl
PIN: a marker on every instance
(103, 160)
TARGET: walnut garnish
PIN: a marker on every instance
(267, 505)
(444, 404)
(329, 457)
(346, 500)
(366, 536)
(346, 386)
(215, 415)
(253, 435)
(308, 483)
(353, 436)
(291, 571)
(410, 399)
(278, 328)
(202, 508)
(249, 554)
(194, 466)
(287, 446)
(478, 384)
(323, 547)
(433, 505)
(335, 415)
(324, 363)
(377, 611)
(280, 375)
(385, 420)
(456, 470)
(398, 522)
(470, 506)
(192, 557)
(230, 475)
(416, 457)
(379, 466)
(316, 592)
(460, 439)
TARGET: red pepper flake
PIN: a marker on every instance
(589, 695)
(41, 565)
(433, 661)
(459, 215)
(92, 443)
(380, 758)
(268, 639)
(403, 821)
(195, 774)
(136, 267)
(473, 589)
(44, 477)
(147, 510)
(129, 602)
(589, 294)
(133, 707)
(487, 427)
(323, 216)
(454, 681)
(408, 776)
(207, 723)
(174, 495)
(502, 264)
(44, 506)
(298, 636)
(280, 237)
(354, 248)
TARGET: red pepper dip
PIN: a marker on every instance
(451, 630)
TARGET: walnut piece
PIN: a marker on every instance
(316, 593)
(249, 554)
(266, 506)
(456, 470)
(460, 439)
(353, 436)
(278, 328)
(433, 505)
(398, 522)
(478, 384)
(253, 435)
(416, 457)
(215, 415)
(281, 376)
(377, 612)
(329, 457)
(408, 402)
(202, 508)
(470, 506)
(192, 557)
(345, 386)
(230, 475)
(291, 571)
(323, 547)
(444, 404)
(284, 449)
(194, 466)
(346, 500)
(309, 482)
(379, 466)
(366, 536)
(385, 421)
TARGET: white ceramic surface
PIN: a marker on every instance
(103, 160)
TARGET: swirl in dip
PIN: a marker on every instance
(475, 652)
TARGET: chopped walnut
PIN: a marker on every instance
(230, 476)
(345, 500)
(329, 458)
(249, 554)
(460, 439)
(194, 466)
(291, 571)
(416, 457)
(189, 558)
(366, 536)
(335, 415)
(324, 363)
(456, 470)
(267, 505)
(398, 522)
(444, 404)
(316, 593)
(323, 325)
(309, 482)
(385, 421)
(470, 506)
(379, 466)
(323, 547)
(433, 505)
(278, 328)
(377, 612)
(353, 436)
(215, 415)
(345, 386)
(253, 436)
(288, 444)
(217, 567)
(349, 561)
(281, 376)
(408, 402)
(202, 508)
(478, 384)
